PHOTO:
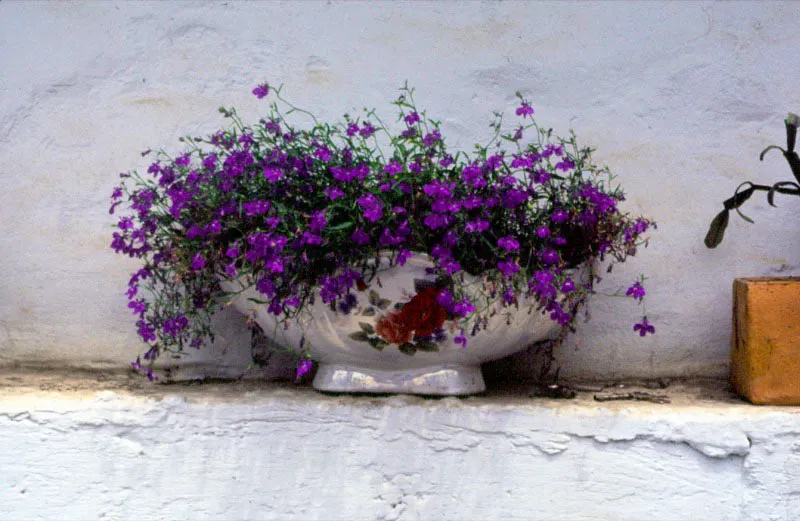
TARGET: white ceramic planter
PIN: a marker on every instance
(355, 352)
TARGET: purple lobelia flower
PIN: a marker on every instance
(524, 110)
(636, 290)
(261, 91)
(372, 207)
(508, 243)
(644, 327)
(303, 367)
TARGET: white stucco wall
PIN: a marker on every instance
(75, 449)
(679, 98)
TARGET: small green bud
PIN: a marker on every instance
(793, 120)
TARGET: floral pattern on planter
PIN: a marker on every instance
(413, 326)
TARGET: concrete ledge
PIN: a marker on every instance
(111, 446)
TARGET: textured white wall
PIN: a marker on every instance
(219, 452)
(678, 97)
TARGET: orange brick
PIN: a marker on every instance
(765, 357)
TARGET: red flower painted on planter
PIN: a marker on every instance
(421, 316)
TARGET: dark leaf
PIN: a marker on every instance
(791, 132)
(739, 197)
(341, 226)
(367, 328)
(764, 152)
(374, 298)
(784, 187)
(378, 343)
(359, 336)
(369, 312)
(422, 284)
(794, 163)
(407, 349)
(384, 303)
(717, 229)
(424, 345)
(398, 306)
(258, 301)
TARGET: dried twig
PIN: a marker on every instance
(633, 395)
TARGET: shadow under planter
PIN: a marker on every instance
(765, 358)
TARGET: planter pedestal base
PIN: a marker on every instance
(436, 380)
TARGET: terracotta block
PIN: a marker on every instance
(765, 358)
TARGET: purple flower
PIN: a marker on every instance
(644, 327)
(568, 286)
(210, 162)
(543, 232)
(637, 291)
(372, 207)
(352, 129)
(318, 221)
(232, 252)
(333, 192)
(366, 130)
(477, 226)
(261, 91)
(560, 216)
(550, 256)
(323, 154)
(521, 162)
(275, 264)
(360, 237)
(435, 221)
(266, 287)
(409, 133)
(311, 239)
(272, 173)
(230, 270)
(151, 375)
(303, 366)
(508, 267)
(508, 296)
(394, 167)
(348, 302)
(463, 308)
(173, 326)
(461, 339)
(508, 243)
(214, 227)
(147, 333)
(198, 262)
(541, 177)
(430, 139)
(514, 197)
(183, 160)
(473, 176)
(411, 118)
(524, 110)
(256, 207)
(139, 307)
(445, 299)
(565, 164)
(402, 256)
(446, 161)
(472, 201)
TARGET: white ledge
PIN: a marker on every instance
(112, 446)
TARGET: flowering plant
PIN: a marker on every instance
(716, 230)
(304, 213)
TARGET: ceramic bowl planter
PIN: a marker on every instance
(765, 361)
(397, 338)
